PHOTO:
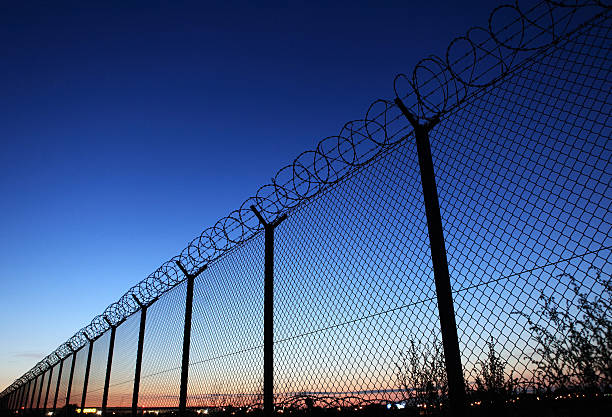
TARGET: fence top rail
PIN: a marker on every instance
(437, 85)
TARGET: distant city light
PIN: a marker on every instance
(88, 411)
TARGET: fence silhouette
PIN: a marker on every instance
(328, 270)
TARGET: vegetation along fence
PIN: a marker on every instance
(358, 280)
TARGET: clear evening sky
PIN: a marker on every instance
(127, 129)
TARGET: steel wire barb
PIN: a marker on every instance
(437, 85)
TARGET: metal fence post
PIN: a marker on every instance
(89, 351)
(42, 379)
(48, 389)
(74, 354)
(448, 325)
(13, 399)
(19, 397)
(59, 379)
(109, 364)
(268, 400)
(24, 403)
(27, 395)
(31, 398)
(141, 334)
(187, 335)
(23, 395)
(16, 399)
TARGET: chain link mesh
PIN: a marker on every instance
(42, 384)
(353, 284)
(97, 372)
(162, 352)
(32, 393)
(52, 388)
(226, 356)
(62, 390)
(523, 175)
(121, 381)
(524, 189)
(78, 378)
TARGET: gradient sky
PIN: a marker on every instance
(126, 130)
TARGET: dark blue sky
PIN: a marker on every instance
(127, 129)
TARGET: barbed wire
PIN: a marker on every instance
(437, 85)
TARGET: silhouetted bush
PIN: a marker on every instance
(492, 388)
(422, 375)
(574, 339)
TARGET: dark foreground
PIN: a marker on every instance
(554, 407)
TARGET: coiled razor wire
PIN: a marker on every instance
(437, 85)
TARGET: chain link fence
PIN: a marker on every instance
(520, 141)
